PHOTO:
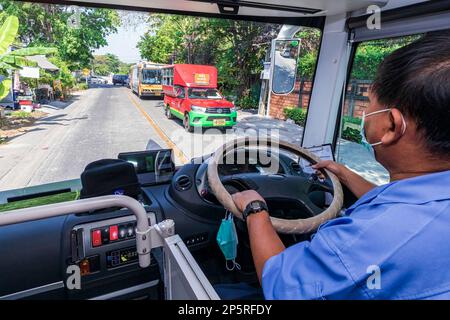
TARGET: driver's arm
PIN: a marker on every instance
(357, 184)
(264, 240)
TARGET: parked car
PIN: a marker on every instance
(97, 80)
(121, 79)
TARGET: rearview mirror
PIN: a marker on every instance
(285, 57)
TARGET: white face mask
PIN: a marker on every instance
(364, 142)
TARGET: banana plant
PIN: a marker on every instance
(18, 58)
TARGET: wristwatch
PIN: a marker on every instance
(254, 207)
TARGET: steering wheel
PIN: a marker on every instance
(276, 186)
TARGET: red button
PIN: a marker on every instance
(96, 238)
(113, 233)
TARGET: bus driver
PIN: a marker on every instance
(401, 229)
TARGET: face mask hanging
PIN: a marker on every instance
(228, 241)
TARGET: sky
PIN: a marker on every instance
(123, 43)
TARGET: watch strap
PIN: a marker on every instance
(249, 209)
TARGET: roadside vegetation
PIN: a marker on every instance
(297, 115)
(48, 26)
(104, 65)
(57, 198)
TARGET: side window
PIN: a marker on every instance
(349, 150)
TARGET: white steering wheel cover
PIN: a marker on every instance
(298, 226)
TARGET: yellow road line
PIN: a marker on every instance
(177, 151)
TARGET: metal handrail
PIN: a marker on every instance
(143, 239)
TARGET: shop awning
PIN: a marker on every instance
(43, 63)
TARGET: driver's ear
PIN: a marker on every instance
(396, 128)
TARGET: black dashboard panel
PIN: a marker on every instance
(30, 255)
(107, 276)
(196, 231)
(36, 255)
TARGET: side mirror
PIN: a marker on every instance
(284, 65)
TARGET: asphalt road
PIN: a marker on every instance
(102, 123)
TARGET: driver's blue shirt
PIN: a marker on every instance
(401, 229)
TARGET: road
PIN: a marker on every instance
(100, 124)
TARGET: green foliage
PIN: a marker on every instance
(33, 51)
(236, 48)
(40, 201)
(81, 86)
(8, 32)
(104, 65)
(247, 101)
(20, 114)
(12, 60)
(369, 55)
(307, 65)
(309, 44)
(348, 119)
(46, 25)
(351, 134)
(64, 74)
(298, 115)
(5, 86)
(15, 59)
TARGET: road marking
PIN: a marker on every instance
(177, 151)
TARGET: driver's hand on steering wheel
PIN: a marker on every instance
(336, 168)
(242, 199)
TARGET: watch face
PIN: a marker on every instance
(255, 205)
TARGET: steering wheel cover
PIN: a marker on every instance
(298, 226)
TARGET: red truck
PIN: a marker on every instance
(190, 94)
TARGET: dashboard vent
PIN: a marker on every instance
(296, 167)
(183, 183)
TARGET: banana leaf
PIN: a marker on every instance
(8, 32)
(17, 61)
(33, 51)
(7, 66)
(5, 87)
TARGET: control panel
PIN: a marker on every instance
(196, 239)
(106, 244)
(121, 257)
(113, 233)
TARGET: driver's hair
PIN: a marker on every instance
(416, 80)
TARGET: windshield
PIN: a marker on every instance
(151, 76)
(67, 121)
(195, 93)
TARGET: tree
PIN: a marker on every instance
(47, 25)
(104, 65)
(15, 59)
(369, 55)
(309, 47)
(237, 48)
